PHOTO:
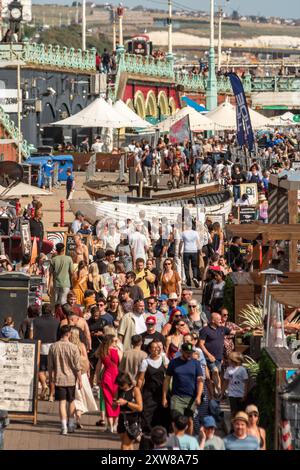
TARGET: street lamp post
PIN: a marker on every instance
(211, 92)
(120, 13)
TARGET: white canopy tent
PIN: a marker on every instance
(97, 114)
(224, 116)
(285, 120)
(21, 189)
(198, 121)
(136, 121)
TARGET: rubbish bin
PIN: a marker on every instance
(4, 422)
(14, 296)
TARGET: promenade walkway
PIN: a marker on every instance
(22, 435)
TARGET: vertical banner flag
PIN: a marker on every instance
(243, 121)
(180, 131)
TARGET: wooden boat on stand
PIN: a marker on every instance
(110, 190)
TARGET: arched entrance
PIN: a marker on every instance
(151, 107)
(139, 104)
(163, 104)
(172, 106)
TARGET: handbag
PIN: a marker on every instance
(134, 429)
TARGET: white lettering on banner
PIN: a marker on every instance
(242, 111)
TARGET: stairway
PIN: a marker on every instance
(10, 131)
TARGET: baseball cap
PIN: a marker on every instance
(188, 347)
(173, 296)
(150, 320)
(209, 422)
(251, 409)
(162, 297)
(241, 416)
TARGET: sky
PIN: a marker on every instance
(286, 9)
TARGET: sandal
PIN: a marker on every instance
(101, 422)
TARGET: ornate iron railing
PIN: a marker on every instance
(13, 133)
(54, 56)
(196, 82)
(281, 84)
(148, 65)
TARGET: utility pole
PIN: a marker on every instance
(19, 111)
(170, 31)
(114, 30)
(220, 17)
(83, 47)
(120, 12)
(212, 92)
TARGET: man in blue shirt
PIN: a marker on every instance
(187, 384)
(48, 171)
(239, 439)
(70, 184)
(147, 163)
(212, 344)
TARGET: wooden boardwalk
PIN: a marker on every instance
(22, 435)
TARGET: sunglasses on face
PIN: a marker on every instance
(173, 300)
(193, 306)
(167, 264)
(253, 414)
(181, 324)
(151, 303)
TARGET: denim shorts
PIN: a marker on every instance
(214, 365)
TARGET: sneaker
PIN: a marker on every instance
(51, 398)
(196, 282)
(71, 429)
(64, 432)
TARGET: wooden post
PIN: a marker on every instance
(293, 219)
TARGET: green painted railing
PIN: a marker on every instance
(55, 56)
(148, 66)
(280, 84)
(13, 132)
(195, 82)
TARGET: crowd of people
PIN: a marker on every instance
(125, 331)
(125, 323)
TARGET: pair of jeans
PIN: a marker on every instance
(193, 259)
(236, 192)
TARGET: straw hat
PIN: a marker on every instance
(262, 198)
(241, 416)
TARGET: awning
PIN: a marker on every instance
(21, 189)
(193, 104)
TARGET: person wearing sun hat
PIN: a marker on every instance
(236, 382)
(253, 428)
(208, 439)
(239, 438)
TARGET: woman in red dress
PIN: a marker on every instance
(109, 359)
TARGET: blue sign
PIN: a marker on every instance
(243, 121)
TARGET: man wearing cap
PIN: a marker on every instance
(151, 334)
(208, 439)
(151, 310)
(187, 384)
(173, 303)
(133, 323)
(76, 224)
(239, 439)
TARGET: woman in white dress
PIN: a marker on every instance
(84, 399)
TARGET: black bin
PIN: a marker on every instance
(14, 295)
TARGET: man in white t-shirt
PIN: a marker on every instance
(138, 243)
(190, 245)
(97, 145)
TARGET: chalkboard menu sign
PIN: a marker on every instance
(70, 243)
(19, 366)
(247, 214)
